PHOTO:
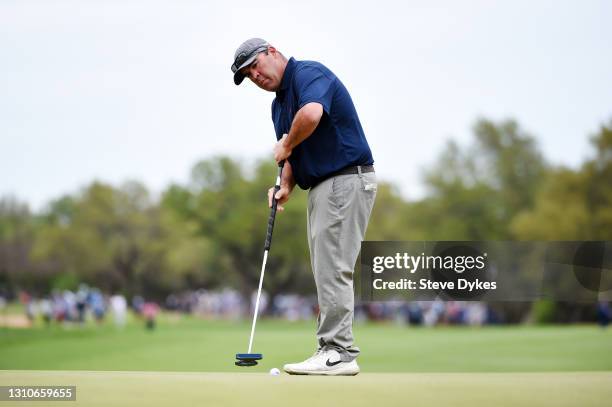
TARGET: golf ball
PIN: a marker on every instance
(274, 371)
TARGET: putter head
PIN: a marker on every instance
(247, 359)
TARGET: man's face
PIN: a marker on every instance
(265, 71)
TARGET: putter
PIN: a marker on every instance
(250, 359)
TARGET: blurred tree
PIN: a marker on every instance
(574, 204)
(507, 159)
(179, 200)
(474, 193)
(390, 215)
(232, 213)
(118, 240)
(16, 237)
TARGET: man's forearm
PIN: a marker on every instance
(304, 124)
(287, 176)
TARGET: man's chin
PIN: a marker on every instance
(269, 86)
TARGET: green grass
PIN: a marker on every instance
(189, 362)
(186, 344)
(152, 389)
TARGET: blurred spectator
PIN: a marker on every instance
(476, 313)
(434, 313)
(59, 307)
(81, 303)
(455, 312)
(149, 312)
(46, 310)
(137, 303)
(263, 302)
(172, 303)
(415, 314)
(96, 302)
(70, 309)
(603, 313)
(28, 303)
(118, 306)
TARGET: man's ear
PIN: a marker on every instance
(272, 50)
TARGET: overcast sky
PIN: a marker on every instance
(120, 90)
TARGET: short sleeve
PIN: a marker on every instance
(313, 85)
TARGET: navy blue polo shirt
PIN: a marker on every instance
(338, 141)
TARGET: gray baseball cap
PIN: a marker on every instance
(245, 55)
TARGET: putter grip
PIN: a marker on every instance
(271, 219)
(273, 209)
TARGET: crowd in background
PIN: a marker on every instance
(230, 304)
(89, 303)
(85, 303)
(75, 306)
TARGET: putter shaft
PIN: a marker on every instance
(261, 277)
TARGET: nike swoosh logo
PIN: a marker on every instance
(330, 364)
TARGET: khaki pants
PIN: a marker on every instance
(338, 212)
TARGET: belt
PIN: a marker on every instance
(354, 169)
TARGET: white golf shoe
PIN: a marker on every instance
(325, 363)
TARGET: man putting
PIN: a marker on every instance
(319, 135)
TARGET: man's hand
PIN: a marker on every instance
(282, 196)
(286, 186)
(281, 151)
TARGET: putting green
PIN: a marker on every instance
(193, 345)
(152, 389)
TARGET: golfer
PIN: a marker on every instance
(320, 137)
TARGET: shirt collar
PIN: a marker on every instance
(287, 76)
